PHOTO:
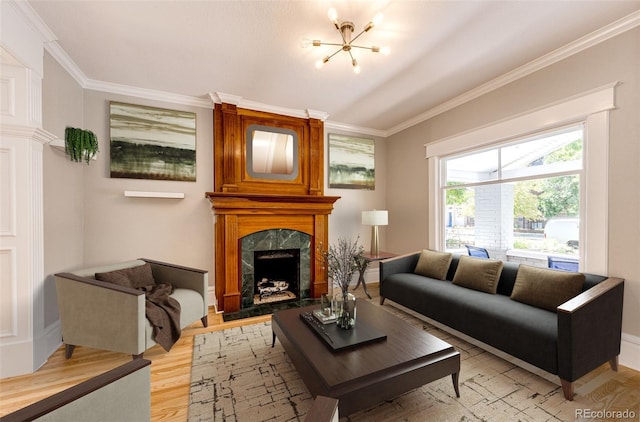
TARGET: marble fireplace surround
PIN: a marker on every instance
(275, 240)
(242, 214)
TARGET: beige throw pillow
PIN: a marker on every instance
(545, 288)
(433, 264)
(478, 274)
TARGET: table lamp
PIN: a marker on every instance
(374, 219)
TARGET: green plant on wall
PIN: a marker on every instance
(79, 144)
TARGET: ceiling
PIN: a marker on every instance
(252, 49)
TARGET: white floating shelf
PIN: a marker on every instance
(139, 194)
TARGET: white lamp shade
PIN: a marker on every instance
(375, 218)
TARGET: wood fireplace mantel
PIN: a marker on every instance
(239, 214)
(245, 203)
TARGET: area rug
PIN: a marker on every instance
(237, 376)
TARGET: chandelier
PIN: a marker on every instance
(345, 29)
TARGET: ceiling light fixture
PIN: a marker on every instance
(346, 29)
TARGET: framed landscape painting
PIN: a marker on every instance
(351, 162)
(152, 143)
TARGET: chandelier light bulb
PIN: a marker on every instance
(306, 43)
(356, 67)
(378, 18)
(320, 63)
(333, 15)
(385, 50)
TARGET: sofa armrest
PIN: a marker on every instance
(590, 329)
(182, 277)
(101, 315)
(128, 385)
(324, 409)
(399, 264)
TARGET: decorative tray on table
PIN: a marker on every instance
(338, 339)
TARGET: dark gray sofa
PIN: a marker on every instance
(581, 335)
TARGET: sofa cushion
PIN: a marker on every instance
(545, 288)
(134, 277)
(478, 274)
(433, 264)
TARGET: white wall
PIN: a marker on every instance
(63, 105)
(120, 228)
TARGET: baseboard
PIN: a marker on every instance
(211, 299)
(47, 344)
(630, 351)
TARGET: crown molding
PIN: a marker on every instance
(28, 132)
(616, 28)
(609, 31)
(24, 8)
(356, 129)
(66, 62)
(221, 97)
(149, 94)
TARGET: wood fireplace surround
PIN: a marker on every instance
(244, 203)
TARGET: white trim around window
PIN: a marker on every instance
(593, 108)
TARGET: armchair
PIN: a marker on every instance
(110, 317)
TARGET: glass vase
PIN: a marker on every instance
(345, 310)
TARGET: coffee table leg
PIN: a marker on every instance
(454, 377)
(273, 340)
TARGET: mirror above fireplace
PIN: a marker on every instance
(272, 152)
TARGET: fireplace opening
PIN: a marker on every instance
(276, 275)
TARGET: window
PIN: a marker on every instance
(592, 108)
(523, 194)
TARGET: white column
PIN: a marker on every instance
(494, 217)
(25, 342)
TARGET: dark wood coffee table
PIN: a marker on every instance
(369, 374)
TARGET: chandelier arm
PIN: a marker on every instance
(331, 44)
(337, 51)
(357, 36)
(362, 47)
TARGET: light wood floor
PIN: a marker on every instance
(170, 372)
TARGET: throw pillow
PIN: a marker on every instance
(478, 274)
(433, 264)
(134, 277)
(545, 288)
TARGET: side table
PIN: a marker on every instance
(364, 262)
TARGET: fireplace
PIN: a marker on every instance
(276, 276)
(245, 203)
(239, 216)
(277, 255)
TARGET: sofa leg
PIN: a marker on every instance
(137, 356)
(381, 300)
(567, 389)
(205, 321)
(68, 350)
(613, 363)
